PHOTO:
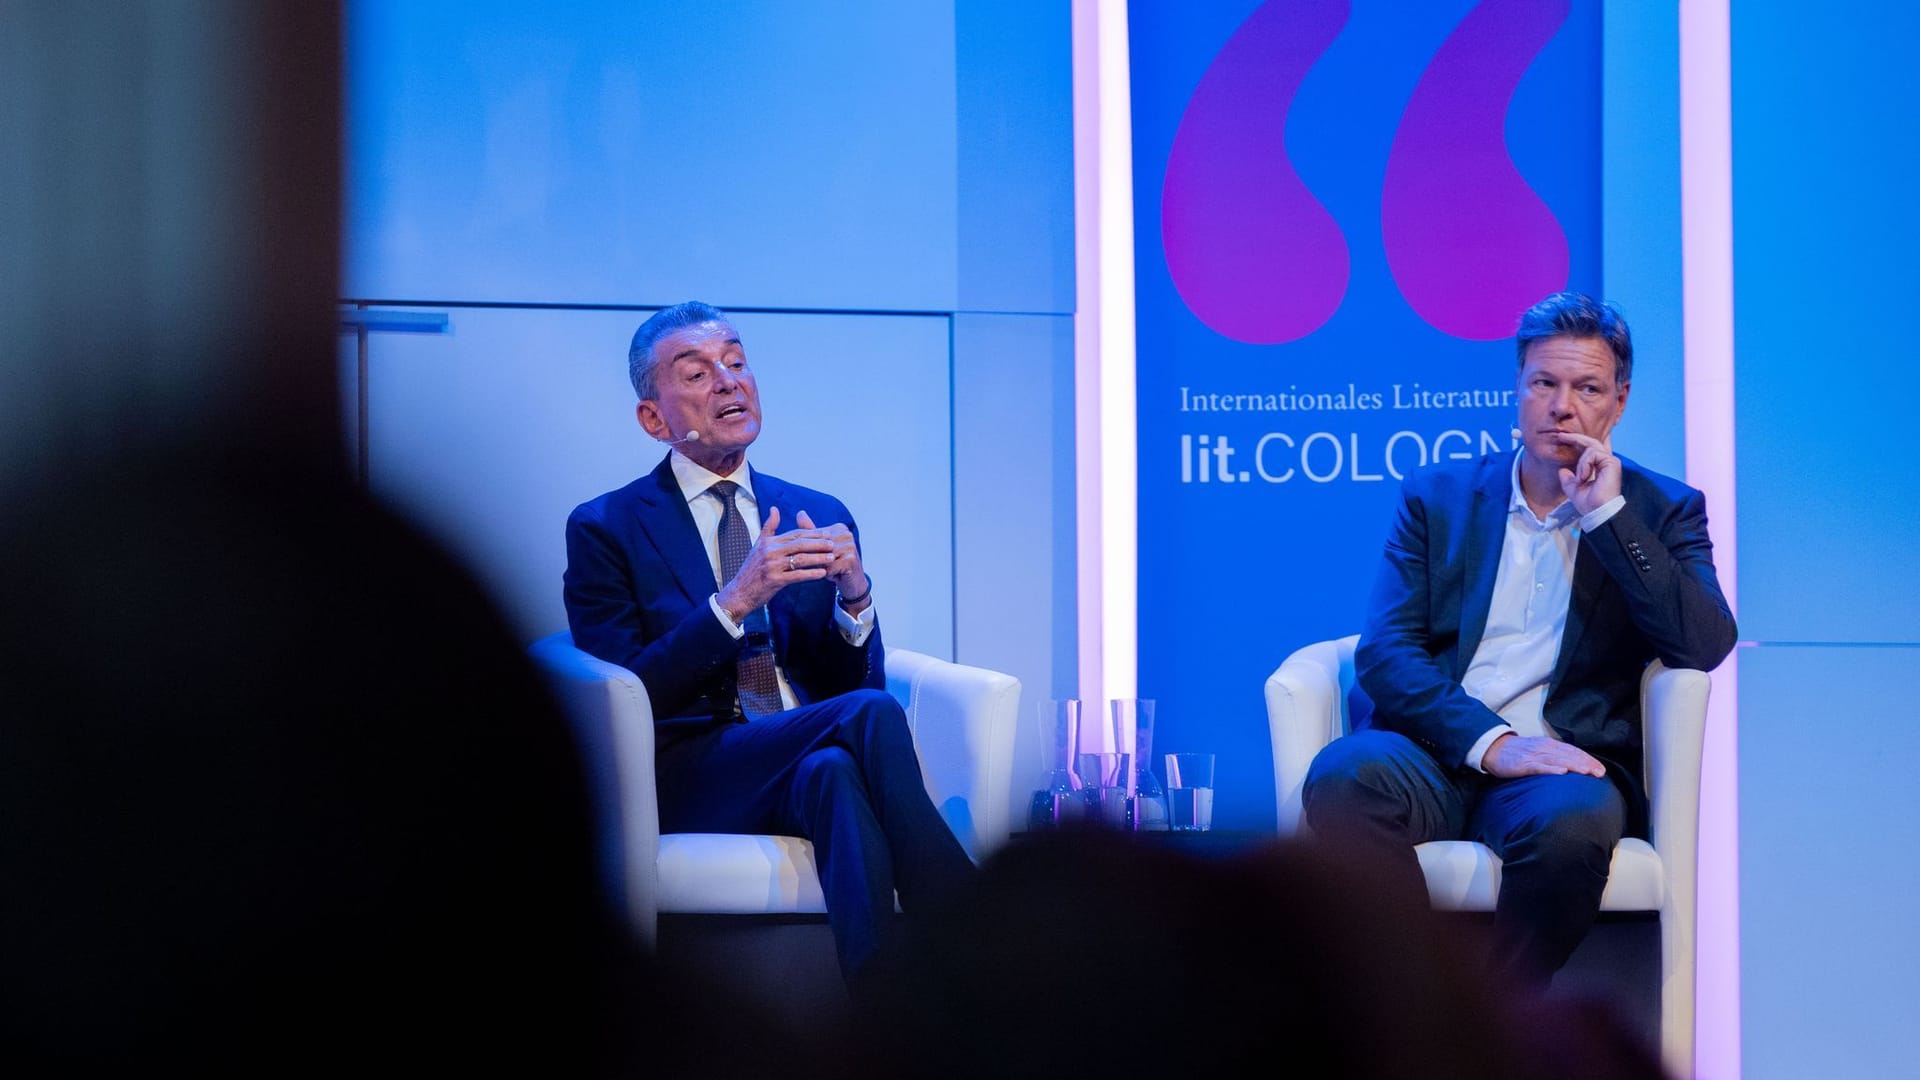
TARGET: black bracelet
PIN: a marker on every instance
(845, 599)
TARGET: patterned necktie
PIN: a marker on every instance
(759, 689)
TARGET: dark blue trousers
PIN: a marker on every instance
(1377, 793)
(842, 773)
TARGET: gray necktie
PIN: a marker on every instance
(759, 689)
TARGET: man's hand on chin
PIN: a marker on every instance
(1595, 478)
(1529, 755)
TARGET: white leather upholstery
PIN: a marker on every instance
(1465, 876)
(1307, 708)
(726, 874)
(613, 721)
(963, 721)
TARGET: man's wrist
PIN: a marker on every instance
(1477, 753)
(1602, 513)
(735, 610)
(848, 602)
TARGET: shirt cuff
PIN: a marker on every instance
(1479, 750)
(854, 628)
(1602, 513)
(726, 620)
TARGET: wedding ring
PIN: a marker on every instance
(789, 563)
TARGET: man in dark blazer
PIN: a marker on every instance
(758, 645)
(1521, 599)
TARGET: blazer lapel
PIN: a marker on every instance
(668, 523)
(768, 492)
(1486, 537)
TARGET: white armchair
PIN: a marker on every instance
(1307, 709)
(963, 721)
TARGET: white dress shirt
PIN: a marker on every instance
(1531, 591)
(695, 480)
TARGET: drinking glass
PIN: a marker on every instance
(1109, 786)
(1058, 800)
(1190, 792)
(1136, 716)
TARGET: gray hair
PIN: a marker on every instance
(642, 368)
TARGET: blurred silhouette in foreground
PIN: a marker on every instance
(1093, 951)
(278, 788)
(279, 793)
(282, 796)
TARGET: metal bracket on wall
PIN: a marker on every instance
(360, 322)
(393, 322)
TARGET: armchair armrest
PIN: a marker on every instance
(963, 720)
(612, 720)
(1306, 710)
(1673, 702)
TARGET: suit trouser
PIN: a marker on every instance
(1377, 793)
(842, 773)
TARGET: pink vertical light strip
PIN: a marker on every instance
(1086, 339)
(1119, 420)
(1104, 420)
(1706, 211)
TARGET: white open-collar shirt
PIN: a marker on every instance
(1531, 592)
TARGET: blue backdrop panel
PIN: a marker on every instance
(1825, 279)
(1015, 157)
(1827, 875)
(1824, 272)
(546, 153)
(1640, 223)
(1340, 213)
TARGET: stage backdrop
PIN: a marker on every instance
(1341, 210)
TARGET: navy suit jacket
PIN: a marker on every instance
(636, 590)
(1643, 587)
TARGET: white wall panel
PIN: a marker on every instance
(795, 154)
(1828, 806)
(1014, 506)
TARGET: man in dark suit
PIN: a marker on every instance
(758, 646)
(1521, 599)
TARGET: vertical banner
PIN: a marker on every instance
(1342, 208)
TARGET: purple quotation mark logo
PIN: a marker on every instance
(1251, 251)
(1470, 245)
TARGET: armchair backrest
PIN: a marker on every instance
(1306, 710)
(1344, 647)
(612, 720)
(963, 721)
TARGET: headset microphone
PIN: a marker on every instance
(692, 435)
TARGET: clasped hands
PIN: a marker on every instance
(806, 553)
